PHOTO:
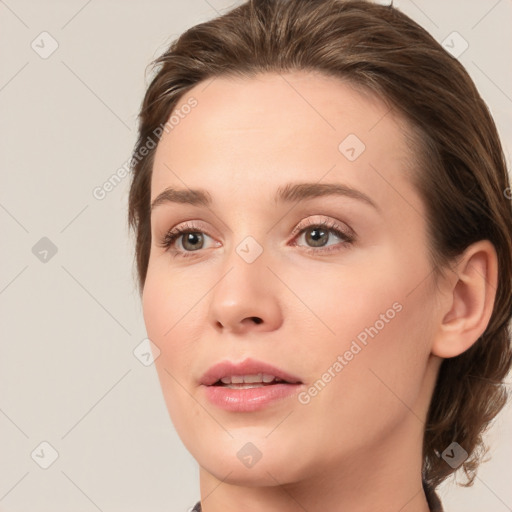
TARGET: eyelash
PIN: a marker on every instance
(347, 237)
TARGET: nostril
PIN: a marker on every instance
(256, 319)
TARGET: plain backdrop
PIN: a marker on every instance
(72, 78)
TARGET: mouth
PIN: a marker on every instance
(258, 380)
(249, 386)
(247, 374)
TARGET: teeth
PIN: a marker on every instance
(249, 379)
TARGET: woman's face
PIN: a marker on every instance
(345, 307)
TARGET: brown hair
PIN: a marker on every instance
(463, 177)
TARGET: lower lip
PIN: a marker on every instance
(251, 399)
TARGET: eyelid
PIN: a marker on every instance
(328, 222)
(188, 225)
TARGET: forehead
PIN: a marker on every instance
(250, 135)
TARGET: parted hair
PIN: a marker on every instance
(460, 172)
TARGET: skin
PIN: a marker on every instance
(356, 445)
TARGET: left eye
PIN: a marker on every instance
(318, 235)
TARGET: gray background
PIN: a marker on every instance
(70, 323)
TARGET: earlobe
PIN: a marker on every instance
(468, 304)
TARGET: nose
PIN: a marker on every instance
(246, 297)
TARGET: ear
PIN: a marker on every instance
(467, 300)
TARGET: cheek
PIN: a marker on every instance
(171, 308)
(381, 293)
(384, 362)
(155, 309)
(171, 317)
(168, 301)
(376, 318)
(340, 302)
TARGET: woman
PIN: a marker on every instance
(324, 256)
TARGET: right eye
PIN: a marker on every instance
(189, 236)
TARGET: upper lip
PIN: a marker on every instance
(246, 367)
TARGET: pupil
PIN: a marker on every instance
(192, 238)
(317, 238)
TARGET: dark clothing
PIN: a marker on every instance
(433, 500)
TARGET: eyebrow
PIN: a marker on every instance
(288, 193)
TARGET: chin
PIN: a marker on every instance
(250, 460)
(263, 473)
